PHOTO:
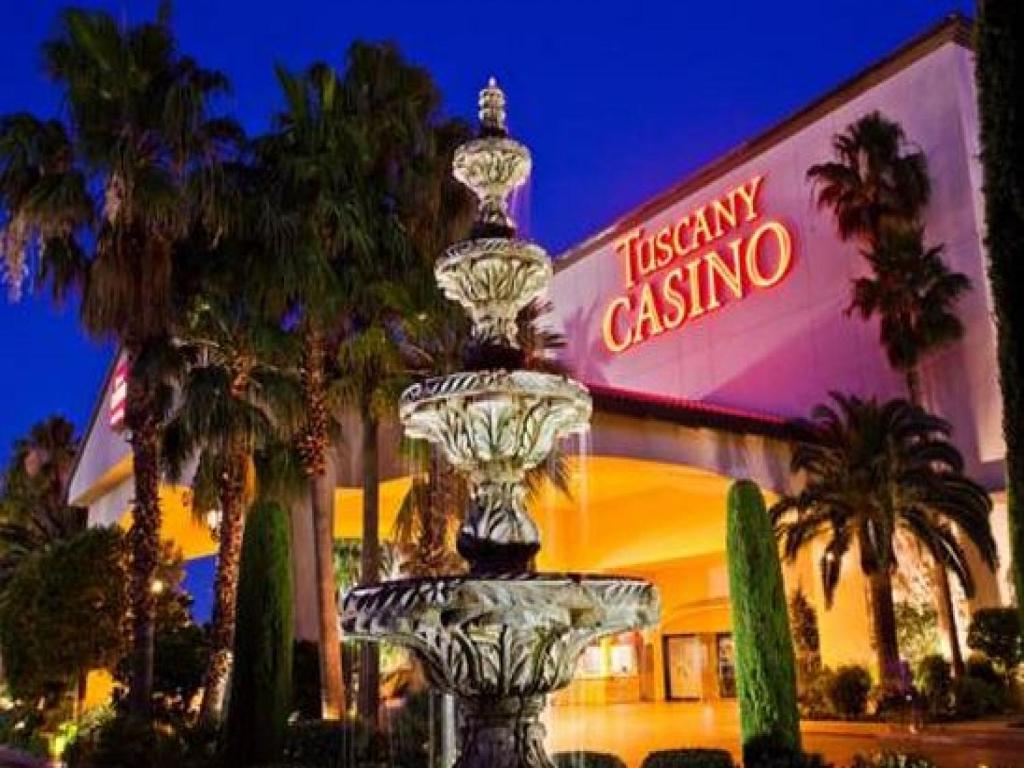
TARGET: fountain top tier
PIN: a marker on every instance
(495, 425)
(494, 274)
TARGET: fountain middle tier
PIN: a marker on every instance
(493, 278)
(495, 426)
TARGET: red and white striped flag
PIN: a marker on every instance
(118, 394)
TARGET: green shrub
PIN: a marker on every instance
(996, 632)
(412, 729)
(582, 759)
(112, 738)
(179, 662)
(64, 611)
(125, 741)
(806, 640)
(917, 630)
(974, 698)
(765, 661)
(689, 758)
(21, 727)
(935, 681)
(306, 679)
(848, 691)
(814, 700)
(771, 752)
(981, 667)
(894, 702)
(261, 681)
(327, 744)
(892, 760)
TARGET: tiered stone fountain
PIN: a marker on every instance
(503, 637)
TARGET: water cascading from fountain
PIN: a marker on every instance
(502, 637)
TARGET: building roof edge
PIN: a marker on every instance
(954, 28)
(694, 413)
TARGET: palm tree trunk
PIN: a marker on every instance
(143, 538)
(313, 448)
(369, 668)
(884, 620)
(947, 616)
(222, 629)
(913, 379)
(943, 593)
(433, 553)
(332, 687)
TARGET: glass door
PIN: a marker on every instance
(726, 652)
(684, 667)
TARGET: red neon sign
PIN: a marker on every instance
(720, 252)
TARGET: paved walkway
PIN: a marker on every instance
(633, 730)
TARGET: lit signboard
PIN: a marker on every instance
(720, 252)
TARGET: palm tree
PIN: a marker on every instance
(96, 201)
(877, 192)
(308, 218)
(870, 470)
(33, 509)
(391, 106)
(873, 182)
(238, 395)
(373, 375)
(913, 293)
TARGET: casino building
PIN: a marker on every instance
(704, 322)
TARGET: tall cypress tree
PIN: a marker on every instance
(261, 680)
(765, 662)
(1000, 78)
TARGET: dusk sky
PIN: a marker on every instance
(617, 100)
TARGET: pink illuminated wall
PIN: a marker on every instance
(781, 349)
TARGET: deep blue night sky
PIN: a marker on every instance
(616, 99)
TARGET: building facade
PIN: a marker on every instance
(705, 322)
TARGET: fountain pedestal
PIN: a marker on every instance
(504, 733)
(501, 638)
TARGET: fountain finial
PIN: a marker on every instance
(492, 165)
(492, 109)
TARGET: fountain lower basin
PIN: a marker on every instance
(500, 644)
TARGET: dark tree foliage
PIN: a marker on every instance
(33, 512)
(848, 691)
(261, 681)
(64, 613)
(996, 632)
(765, 662)
(94, 201)
(181, 643)
(1000, 77)
(871, 469)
